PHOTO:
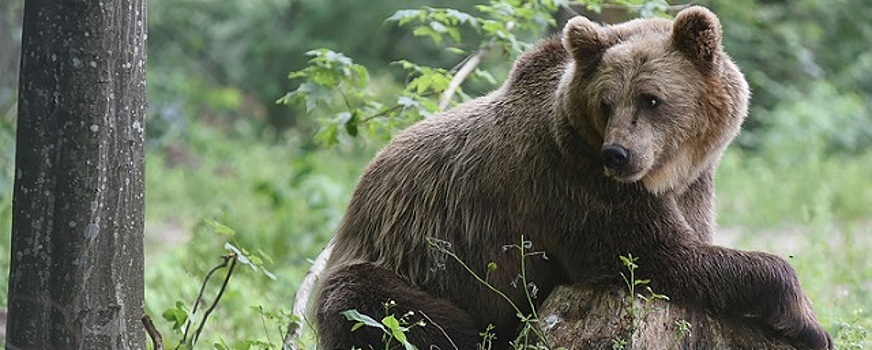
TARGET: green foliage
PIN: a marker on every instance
(177, 315)
(634, 308)
(7, 170)
(644, 8)
(787, 48)
(435, 22)
(854, 334)
(336, 91)
(393, 328)
(619, 344)
(820, 119)
(499, 22)
(685, 329)
(10, 46)
(276, 200)
(488, 336)
(188, 324)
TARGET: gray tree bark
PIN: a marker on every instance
(580, 318)
(76, 274)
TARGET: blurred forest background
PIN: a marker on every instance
(222, 153)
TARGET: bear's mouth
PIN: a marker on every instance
(624, 176)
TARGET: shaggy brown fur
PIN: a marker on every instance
(531, 159)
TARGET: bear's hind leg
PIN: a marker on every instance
(366, 288)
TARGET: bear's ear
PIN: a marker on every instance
(696, 33)
(584, 40)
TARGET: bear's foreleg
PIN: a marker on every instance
(743, 284)
(367, 288)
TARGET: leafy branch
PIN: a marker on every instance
(338, 93)
(179, 315)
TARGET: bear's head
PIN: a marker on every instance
(659, 99)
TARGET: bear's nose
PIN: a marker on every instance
(615, 156)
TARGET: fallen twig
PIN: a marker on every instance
(301, 299)
(463, 73)
(156, 338)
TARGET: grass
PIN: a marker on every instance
(816, 211)
(282, 201)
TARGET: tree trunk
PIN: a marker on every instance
(580, 318)
(76, 274)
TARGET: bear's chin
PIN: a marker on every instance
(625, 177)
(655, 181)
(664, 180)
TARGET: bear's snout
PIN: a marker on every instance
(615, 157)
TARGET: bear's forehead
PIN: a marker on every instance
(642, 46)
(647, 65)
(651, 52)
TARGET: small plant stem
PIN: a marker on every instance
(382, 113)
(440, 329)
(524, 279)
(479, 279)
(527, 292)
(344, 98)
(232, 258)
(263, 324)
(199, 298)
(497, 291)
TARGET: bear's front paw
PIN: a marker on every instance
(812, 337)
(802, 328)
(789, 311)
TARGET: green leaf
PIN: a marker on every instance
(438, 27)
(240, 256)
(354, 315)
(391, 322)
(265, 256)
(428, 32)
(178, 315)
(407, 102)
(328, 134)
(461, 17)
(349, 120)
(485, 75)
(256, 260)
(405, 16)
(456, 50)
(400, 335)
(220, 228)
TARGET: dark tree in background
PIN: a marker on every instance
(76, 275)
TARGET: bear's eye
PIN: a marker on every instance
(605, 110)
(650, 101)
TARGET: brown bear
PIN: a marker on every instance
(601, 143)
